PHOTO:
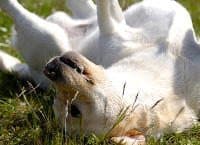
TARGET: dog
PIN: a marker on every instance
(155, 89)
(150, 90)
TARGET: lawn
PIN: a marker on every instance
(26, 116)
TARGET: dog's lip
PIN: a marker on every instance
(55, 68)
(52, 69)
(78, 68)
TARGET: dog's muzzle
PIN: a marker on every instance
(53, 69)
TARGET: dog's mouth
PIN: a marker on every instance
(69, 64)
(74, 65)
(53, 68)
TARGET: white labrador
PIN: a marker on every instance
(151, 70)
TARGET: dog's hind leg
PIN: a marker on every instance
(116, 11)
(82, 9)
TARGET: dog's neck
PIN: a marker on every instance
(150, 95)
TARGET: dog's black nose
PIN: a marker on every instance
(52, 69)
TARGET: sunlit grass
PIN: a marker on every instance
(26, 116)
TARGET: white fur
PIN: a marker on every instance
(157, 58)
(76, 29)
(82, 9)
(147, 27)
(114, 39)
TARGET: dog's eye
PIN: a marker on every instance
(74, 111)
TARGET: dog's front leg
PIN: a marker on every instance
(129, 140)
(10, 64)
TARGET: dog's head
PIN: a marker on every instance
(95, 103)
(88, 98)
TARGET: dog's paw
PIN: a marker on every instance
(126, 140)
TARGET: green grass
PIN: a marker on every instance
(26, 116)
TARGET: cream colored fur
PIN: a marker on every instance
(156, 60)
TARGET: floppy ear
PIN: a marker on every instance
(14, 66)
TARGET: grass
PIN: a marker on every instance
(26, 116)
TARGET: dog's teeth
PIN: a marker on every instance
(81, 69)
(51, 74)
